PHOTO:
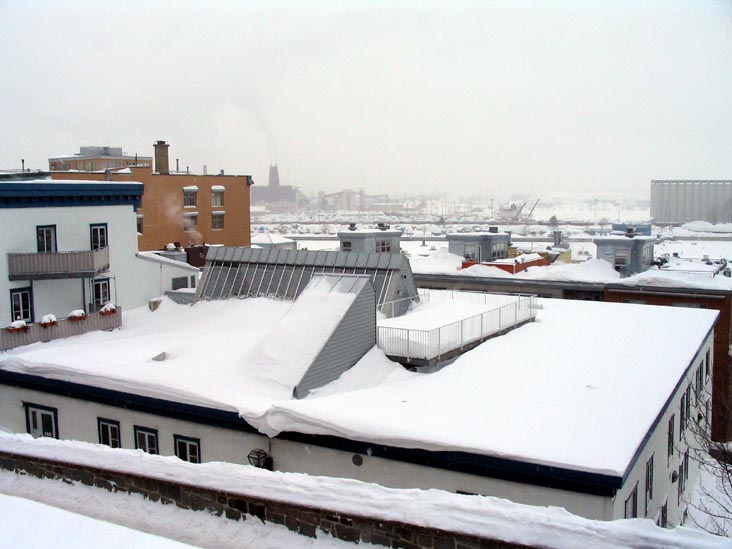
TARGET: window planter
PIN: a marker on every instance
(77, 315)
(17, 329)
(48, 321)
(108, 309)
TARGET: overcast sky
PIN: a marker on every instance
(475, 98)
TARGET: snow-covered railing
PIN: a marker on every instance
(47, 330)
(413, 344)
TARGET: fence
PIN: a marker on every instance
(64, 327)
(429, 344)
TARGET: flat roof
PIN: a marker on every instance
(533, 395)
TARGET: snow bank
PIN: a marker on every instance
(473, 515)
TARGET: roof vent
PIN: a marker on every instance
(351, 226)
(492, 229)
(382, 226)
(630, 232)
(160, 357)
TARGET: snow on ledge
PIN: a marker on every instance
(491, 517)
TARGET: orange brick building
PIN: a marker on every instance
(182, 208)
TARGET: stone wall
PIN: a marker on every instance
(298, 518)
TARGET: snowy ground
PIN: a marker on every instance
(482, 516)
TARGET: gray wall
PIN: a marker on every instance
(683, 201)
(352, 338)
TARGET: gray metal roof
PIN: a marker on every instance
(283, 274)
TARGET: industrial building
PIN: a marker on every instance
(682, 201)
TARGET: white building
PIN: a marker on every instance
(588, 408)
(73, 245)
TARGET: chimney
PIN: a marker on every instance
(161, 158)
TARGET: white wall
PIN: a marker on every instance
(77, 420)
(663, 487)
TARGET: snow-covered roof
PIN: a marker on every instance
(514, 396)
(269, 238)
(152, 256)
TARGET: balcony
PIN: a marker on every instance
(56, 265)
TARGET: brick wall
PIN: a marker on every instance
(298, 518)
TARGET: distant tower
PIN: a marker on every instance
(274, 177)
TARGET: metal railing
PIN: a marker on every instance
(63, 327)
(429, 344)
(48, 265)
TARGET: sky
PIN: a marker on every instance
(471, 98)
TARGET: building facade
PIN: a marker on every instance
(682, 201)
(91, 159)
(72, 245)
(184, 209)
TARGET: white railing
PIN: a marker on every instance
(429, 344)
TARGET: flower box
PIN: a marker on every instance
(108, 312)
(16, 329)
(48, 321)
(77, 316)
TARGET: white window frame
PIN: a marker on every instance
(35, 415)
(187, 448)
(109, 432)
(190, 222)
(146, 439)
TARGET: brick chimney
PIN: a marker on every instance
(161, 158)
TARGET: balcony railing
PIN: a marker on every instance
(410, 344)
(53, 265)
(63, 327)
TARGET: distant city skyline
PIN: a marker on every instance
(491, 98)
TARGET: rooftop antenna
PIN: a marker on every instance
(22, 164)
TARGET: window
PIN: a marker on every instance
(346, 246)
(20, 304)
(190, 198)
(217, 198)
(707, 366)
(188, 449)
(179, 282)
(383, 246)
(41, 421)
(671, 437)
(193, 281)
(100, 292)
(686, 466)
(688, 404)
(682, 415)
(146, 439)
(680, 489)
(98, 236)
(662, 520)
(699, 383)
(631, 504)
(46, 237)
(190, 222)
(649, 483)
(109, 432)
(140, 225)
(217, 221)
